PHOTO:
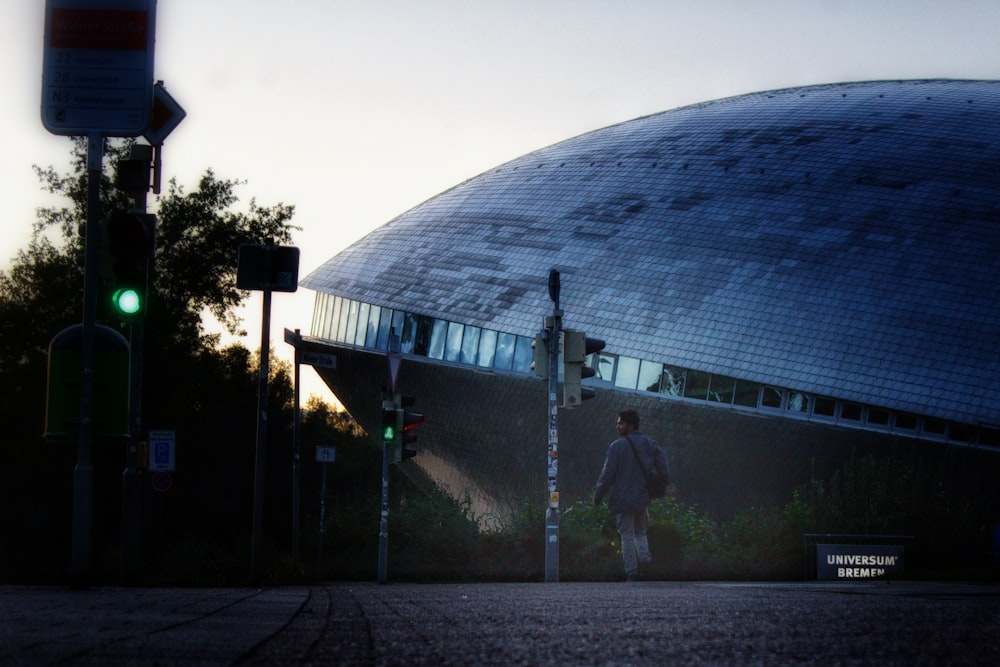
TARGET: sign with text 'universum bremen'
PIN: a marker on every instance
(837, 562)
(97, 71)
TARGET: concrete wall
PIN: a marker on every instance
(486, 435)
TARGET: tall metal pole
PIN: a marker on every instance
(553, 329)
(131, 517)
(296, 460)
(83, 474)
(393, 402)
(258, 477)
(383, 525)
(322, 524)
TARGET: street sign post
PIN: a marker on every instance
(97, 69)
(162, 450)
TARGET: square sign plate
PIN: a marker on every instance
(97, 72)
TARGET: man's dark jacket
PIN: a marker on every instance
(622, 479)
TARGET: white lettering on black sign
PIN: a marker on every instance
(858, 561)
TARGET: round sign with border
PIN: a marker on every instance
(162, 481)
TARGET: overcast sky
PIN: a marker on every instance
(357, 111)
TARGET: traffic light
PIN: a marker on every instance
(576, 348)
(389, 426)
(127, 252)
(540, 366)
(397, 427)
(408, 421)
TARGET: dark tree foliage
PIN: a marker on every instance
(207, 394)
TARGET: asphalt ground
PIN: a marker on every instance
(649, 623)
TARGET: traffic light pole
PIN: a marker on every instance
(383, 525)
(131, 517)
(553, 326)
(83, 474)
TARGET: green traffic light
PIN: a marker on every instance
(127, 301)
(388, 433)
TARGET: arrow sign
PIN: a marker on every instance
(167, 114)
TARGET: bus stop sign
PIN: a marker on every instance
(97, 69)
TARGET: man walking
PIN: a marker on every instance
(623, 481)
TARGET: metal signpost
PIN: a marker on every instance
(394, 362)
(294, 338)
(553, 327)
(97, 81)
(315, 359)
(324, 455)
(268, 268)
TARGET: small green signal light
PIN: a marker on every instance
(127, 301)
(388, 433)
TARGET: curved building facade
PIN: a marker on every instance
(782, 279)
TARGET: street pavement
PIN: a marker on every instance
(648, 623)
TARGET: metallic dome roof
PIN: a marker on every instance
(839, 239)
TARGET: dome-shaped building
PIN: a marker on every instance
(782, 279)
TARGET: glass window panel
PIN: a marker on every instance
(351, 329)
(384, 325)
(988, 436)
(906, 421)
(605, 366)
(319, 313)
(340, 315)
(697, 385)
(407, 340)
(396, 330)
(439, 336)
(722, 389)
(627, 373)
(371, 334)
(523, 354)
(771, 398)
(824, 406)
(505, 351)
(453, 346)
(797, 402)
(747, 394)
(961, 432)
(328, 321)
(422, 337)
(487, 348)
(364, 310)
(851, 412)
(878, 416)
(674, 379)
(649, 376)
(934, 426)
(470, 345)
(352, 322)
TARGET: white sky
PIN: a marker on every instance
(356, 111)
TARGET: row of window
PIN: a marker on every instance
(364, 325)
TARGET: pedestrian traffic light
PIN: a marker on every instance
(127, 252)
(540, 365)
(389, 426)
(576, 348)
(409, 421)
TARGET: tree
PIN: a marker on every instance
(206, 393)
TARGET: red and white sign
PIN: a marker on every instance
(97, 73)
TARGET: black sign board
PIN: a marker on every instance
(267, 267)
